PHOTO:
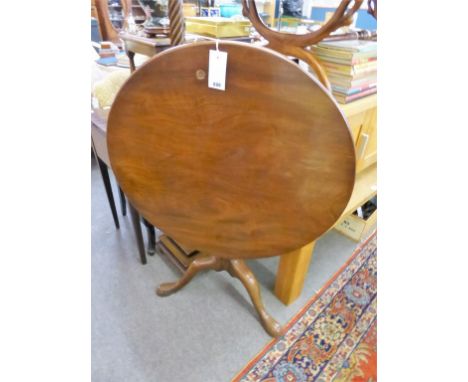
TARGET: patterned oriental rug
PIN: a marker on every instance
(334, 337)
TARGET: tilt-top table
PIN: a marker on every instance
(258, 170)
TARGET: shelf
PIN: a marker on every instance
(365, 188)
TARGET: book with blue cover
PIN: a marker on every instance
(107, 61)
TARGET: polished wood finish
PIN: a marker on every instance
(361, 118)
(297, 45)
(293, 267)
(270, 179)
(258, 170)
(287, 289)
(237, 269)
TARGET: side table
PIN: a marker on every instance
(99, 145)
(150, 46)
(142, 45)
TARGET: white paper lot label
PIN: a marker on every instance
(217, 70)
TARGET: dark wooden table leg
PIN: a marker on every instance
(107, 185)
(151, 237)
(210, 262)
(237, 269)
(241, 271)
(138, 234)
(131, 59)
(123, 202)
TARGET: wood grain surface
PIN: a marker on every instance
(258, 170)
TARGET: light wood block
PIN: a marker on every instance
(291, 273)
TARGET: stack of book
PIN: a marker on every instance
(351, 67)
(107, 54)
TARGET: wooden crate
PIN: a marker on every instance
(355, 227)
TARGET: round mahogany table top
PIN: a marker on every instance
(257, 170)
